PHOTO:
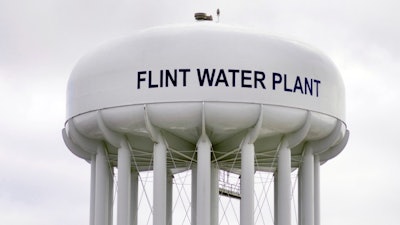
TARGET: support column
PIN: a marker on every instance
(102, 183)
(284, 185)
(110, 193)
(92, 188)
(317, 206)
(203, 180)
(247, 185)
(299, 194)
(307, 188)
(214, 194)
(134, 197)
(170, 177)
(276, 190)
(124, 184)
(194, 195)
(160, 183)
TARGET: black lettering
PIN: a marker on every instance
(317, 82)
(284, 81)
(184, 75)
(140, 78)
(170, 78)
(297, 85)
(203, 76)
(308, 86)
(151, 85)
(258, 79)
(245, 78)
(161, 78)
(276, 79)
(221, 78)
(233, 76)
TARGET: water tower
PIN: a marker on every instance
(210, 99)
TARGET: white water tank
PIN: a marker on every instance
(185, 85)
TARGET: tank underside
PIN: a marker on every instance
(180, 124)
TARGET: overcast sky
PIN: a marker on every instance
(43, 183)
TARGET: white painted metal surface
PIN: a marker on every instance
(160, 183)
(194, 196)
(92, 189)
(124, 184)
(162, 65)
(284, 184)
(169, 206)
(175, 98)
(247, 185)
(203, 214)
(307, 189)
(134, 197)
(102, 189)
(214, 205)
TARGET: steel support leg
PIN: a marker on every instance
(214, 194)
(160, 183)
(284, 186)
(247, 185)
(169, 198)
(92, 188)
(194, 195)
(317, 218)
(307, 189)
(134, 197)
(124, 184)
(203, 181)
(110, 193)
(102, 184)
(276, 191)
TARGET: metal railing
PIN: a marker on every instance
(229, 184)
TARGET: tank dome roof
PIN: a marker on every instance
(205, 62)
